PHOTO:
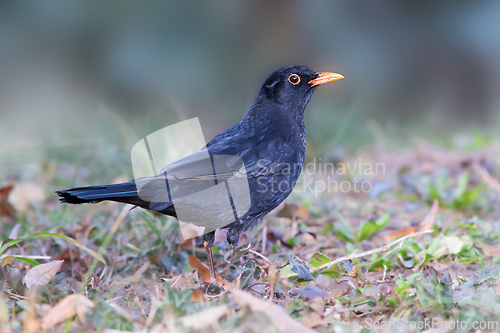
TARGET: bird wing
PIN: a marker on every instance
(210, 188)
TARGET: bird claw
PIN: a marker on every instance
(211, 288)
(239, 252)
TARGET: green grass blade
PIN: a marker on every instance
(48, 234)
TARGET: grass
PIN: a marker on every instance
(140, 275)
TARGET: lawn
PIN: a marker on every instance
(401, 239)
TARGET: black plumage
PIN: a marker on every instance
(270, 141)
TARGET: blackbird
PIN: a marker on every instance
(269, 145)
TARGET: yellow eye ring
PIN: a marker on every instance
(294, 79)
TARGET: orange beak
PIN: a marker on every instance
(323, 78)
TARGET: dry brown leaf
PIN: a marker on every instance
(437, 265)
(317, 304)
(312, 319)
(67, 254)
(425, 224)
(9, 260)
(373, 292)
(355, 272)
(332, 288)
(41, 275)
(23, 194)
(31, 324)
(6, 208)
(489, 250)
(204, 272)
(430, 218)
(197, 295)
(204, 319)
(398, 233)
(4, 315)
(74, 304)
(293, 210)
(281, 320)
(182, 281)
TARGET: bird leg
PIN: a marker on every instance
(208, 249)
(240, 251)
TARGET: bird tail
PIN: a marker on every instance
(124, 192)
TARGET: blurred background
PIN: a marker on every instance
(96, 76)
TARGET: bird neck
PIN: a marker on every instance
(264, 110)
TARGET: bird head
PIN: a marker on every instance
(291, 87)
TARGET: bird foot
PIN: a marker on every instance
(211, 288)
(239, 252)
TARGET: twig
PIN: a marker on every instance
(176, 280)
(152, 311)
(216, 296)
(260, 255)
(264, 238)
(363, 254)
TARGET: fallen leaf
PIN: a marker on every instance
(373, 292)
(204, 319)
(184, 281)
(489, 250)
(273, 236)
(30, 322)
(249, 272)
(204, 272)
(309, 292)
(355, 272)
(41, 275)
(437, 265)
(303, 231)
(197, 295)
(333, 288)
(487, 273)
(318, 259)
(293, 210)
(448, 245)
(67, 254)
(23, 194)
(6, 208)
(399, 233)
(317, 304)
(425, 224)
(281, 320)
(430, 218)
(11, 276)
(4, 315)
(312, 319)
(74, 304)
(9, 260)
(69, 283)
(300, 267)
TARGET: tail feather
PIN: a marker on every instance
(124, 192)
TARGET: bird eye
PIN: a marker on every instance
(294, 79)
